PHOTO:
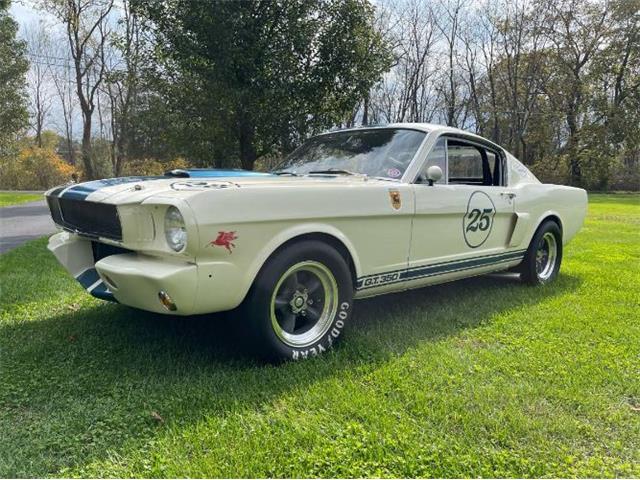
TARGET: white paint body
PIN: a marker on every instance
(424, 235)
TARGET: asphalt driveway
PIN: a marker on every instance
(24, 222)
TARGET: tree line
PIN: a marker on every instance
(240, 84)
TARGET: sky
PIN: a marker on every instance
(26, 14)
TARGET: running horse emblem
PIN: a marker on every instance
(225, 239)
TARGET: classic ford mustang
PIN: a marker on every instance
(349, 214)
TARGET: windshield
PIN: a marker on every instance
(380, 152)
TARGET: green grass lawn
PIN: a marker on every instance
(15, 198)
(483, 377)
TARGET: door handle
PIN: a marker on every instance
(509, 195)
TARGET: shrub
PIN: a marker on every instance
(34, 168)
(150, 166)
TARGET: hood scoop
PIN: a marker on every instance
(201, 185)
(178, 173)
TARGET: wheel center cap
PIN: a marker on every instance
(299, 302)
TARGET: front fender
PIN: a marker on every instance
(291, 233)
(299, 230)
(225, 277)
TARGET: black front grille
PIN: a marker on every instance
(102, 250)
(54, 206)
(89, 218)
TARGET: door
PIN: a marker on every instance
(463, 222)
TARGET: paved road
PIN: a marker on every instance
(24, 222)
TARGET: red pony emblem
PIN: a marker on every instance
(225, 239)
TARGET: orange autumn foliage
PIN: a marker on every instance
(34, 168)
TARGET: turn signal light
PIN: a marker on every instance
(166, 301)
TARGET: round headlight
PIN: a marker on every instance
(174, 229)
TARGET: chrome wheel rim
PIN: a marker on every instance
(546, 255)
(304, 303)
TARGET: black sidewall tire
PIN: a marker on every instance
(529, 272)
(255, 309)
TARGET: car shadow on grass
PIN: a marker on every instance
(107, 378)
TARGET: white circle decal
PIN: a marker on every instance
(478, 219)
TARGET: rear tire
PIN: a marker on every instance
(542, 261)
(300, 302)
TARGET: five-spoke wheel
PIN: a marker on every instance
(304, 303)
(542, 260)
(300, 302)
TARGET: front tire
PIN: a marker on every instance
(542, 261)
(299, 303)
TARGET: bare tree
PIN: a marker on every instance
(87, 32)
(472, 74)
(405, 93)
(64, 83)
(122, 83)
(576, 30)
(449, 24)
(39, 49)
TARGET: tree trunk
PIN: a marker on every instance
(86, 148)
(246, 137)
(120, 156)
(39, 132)
(365, 111)
(71, 152)
(575, 170)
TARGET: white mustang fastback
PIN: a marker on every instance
(349, 214)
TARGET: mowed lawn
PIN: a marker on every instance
(483, 377)
(14, 198)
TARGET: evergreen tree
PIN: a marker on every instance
(14, 116)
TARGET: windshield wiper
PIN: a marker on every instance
(335, 171)
(387, 179)
(285, 172)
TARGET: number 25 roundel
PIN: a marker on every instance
(478, 219)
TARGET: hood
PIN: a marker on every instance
(138, 187)
(125, 190)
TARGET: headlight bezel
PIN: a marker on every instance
(175, 229)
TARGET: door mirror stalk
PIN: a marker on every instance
(434, 174)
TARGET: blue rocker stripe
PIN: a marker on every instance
(414, 273)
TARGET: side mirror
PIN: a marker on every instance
(434, 173)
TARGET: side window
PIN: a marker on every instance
(437, 156)
(465, 164)
(495, 165)
(470, 164)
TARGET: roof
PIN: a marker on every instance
(427, 128)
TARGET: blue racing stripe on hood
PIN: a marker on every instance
(213, 172)
(82, 190)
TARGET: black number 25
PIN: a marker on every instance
(480, 220)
